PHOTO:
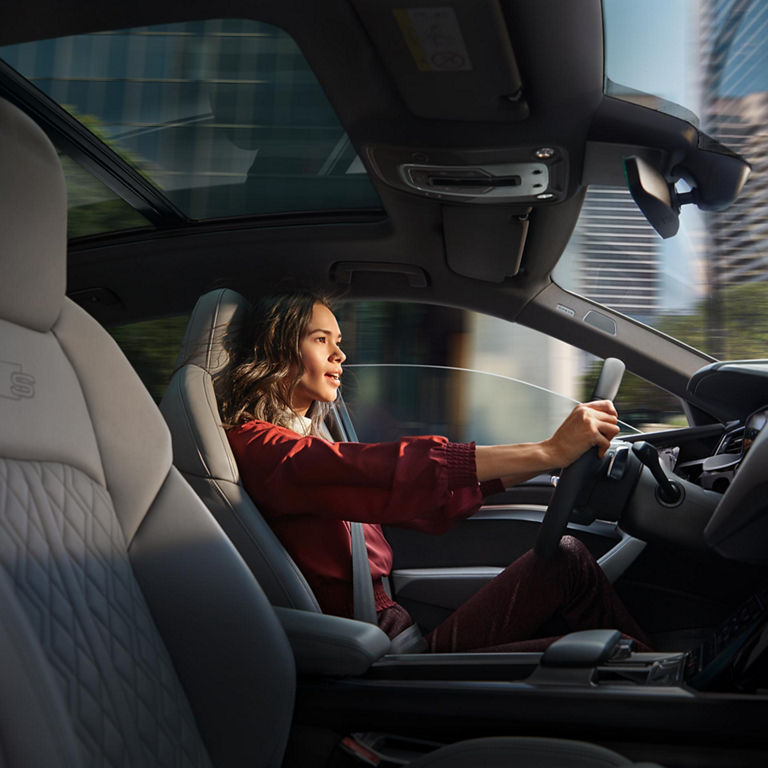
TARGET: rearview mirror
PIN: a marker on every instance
(653, 194)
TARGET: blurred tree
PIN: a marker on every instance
(151, 347)
(92, 208)
(745, 321)
(639, 402)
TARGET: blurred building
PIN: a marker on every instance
(734, 45)
(739, 234)
(620, 253)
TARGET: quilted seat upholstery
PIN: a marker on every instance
(136, 621)
(65, 552)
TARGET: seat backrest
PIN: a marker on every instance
(202, 453)
(131, 631)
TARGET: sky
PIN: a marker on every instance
(652, 46)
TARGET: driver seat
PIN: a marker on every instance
(202, 453)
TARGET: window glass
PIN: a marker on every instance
(91, 207)
(416, 369)
(224, 116)
(152, 346)
(463, 375)
(707, 285)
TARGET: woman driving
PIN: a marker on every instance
(274, 398)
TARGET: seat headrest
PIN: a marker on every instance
(33, 223)
(214, 321)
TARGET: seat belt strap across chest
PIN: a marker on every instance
(364, 604)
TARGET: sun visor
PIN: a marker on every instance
(449, 62)
(485, 243)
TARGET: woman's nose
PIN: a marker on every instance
(338, 354)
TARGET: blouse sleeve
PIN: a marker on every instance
(421, 482)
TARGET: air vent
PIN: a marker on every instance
(731, 442)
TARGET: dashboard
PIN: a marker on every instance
(719, 471)
(716, 472)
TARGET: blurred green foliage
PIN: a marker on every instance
(743, 328)
(152, 347)
(742, 335)
(92, 208)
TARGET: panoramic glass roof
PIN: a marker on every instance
(224, 117)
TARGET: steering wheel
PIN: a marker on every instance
(574, 477)
(738, 525)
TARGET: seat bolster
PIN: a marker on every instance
(133, 439)
(277, 573)
(33, 219)
(230, 651)
(200, 445)
(216, 316)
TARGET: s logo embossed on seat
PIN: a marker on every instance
(14, 383)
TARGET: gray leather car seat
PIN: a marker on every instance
(202, 453)
(128, 617)
(131, 631)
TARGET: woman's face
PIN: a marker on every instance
(322, 358)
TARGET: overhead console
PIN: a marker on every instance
(517, 175)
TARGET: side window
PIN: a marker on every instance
(416, 369)
(151, 346)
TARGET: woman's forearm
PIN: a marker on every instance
(512, 463)
(590, 424)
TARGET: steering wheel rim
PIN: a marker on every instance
(574, 477)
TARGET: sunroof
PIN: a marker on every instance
(225, 117)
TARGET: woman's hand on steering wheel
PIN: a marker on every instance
(588, 425)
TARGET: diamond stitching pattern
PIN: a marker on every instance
(63, 548)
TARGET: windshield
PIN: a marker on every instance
(708, 61)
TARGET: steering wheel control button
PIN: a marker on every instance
(618, 459)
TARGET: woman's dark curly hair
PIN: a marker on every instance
(265, 366)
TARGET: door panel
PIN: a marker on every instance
(433, 575)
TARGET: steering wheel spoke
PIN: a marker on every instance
(574, 478)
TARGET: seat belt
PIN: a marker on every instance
(364, 604)
(410, 640)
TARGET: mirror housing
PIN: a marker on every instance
(654, 195)
(672, 149)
